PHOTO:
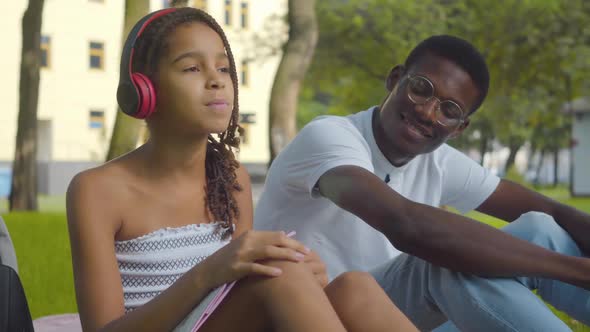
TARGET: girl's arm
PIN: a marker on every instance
(93, 221)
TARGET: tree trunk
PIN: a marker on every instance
(297, 56)
(570, 131)
(483, 148)
(530, 165)
(511, 157)
(126, 129)
(539, 165)
(23, 193)
(555, 166)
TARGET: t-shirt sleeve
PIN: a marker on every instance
(466, 184)
(321, 145)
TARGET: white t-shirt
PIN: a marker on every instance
(344, 241)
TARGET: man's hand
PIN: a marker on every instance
(313, 261)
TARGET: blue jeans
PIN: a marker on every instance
(430, 295)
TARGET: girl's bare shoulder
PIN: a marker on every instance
(102, 190)
(109, 178)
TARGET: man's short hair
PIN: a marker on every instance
(460, 52)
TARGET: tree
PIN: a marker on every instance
(499, 31)
(178, 3)
(126, 129)
(480, 135)
(535, 49)
(567, 70)
(360, 41)
(297, 55)
(23, 194)
(532, 62)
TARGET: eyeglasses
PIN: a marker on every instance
(421, 91)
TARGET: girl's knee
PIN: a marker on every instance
(352, 292)
(351, 287)
(295, 277)
(354, 280)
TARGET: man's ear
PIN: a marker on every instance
(461, 128)
(394, 76)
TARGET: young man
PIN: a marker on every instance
(359, 188)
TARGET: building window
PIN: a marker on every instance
(96, 119)
(96, 55)
(246, 120)
(201, 4)
(45, 51)
(244, 14)
(245, 73)
(227, 12)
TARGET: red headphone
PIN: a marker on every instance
(136, 94)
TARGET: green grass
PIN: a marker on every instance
(43, 253)
(54, 203)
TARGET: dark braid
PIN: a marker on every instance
(220, 161)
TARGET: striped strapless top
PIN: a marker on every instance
(151, 263)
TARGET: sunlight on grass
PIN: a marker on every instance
(54, 203)
(43, 251)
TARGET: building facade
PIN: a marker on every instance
(81, 47)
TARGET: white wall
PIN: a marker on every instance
(69, 89)
(10, 25)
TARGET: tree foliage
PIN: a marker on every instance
(297, 55)
(537, 52)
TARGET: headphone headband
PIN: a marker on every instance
(135, 93)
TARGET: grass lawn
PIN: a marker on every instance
(54, 203)
(43, 253)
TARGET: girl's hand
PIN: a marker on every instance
(317, 267)
(244, 256)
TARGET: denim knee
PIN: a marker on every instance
(543, 230)
(539, 222)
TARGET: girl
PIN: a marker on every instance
(150, 231)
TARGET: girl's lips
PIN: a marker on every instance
(217, 101)
(218, 104)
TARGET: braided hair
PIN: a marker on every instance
(220, 161)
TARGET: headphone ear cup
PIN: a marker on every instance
(147, 95)
(136, 95)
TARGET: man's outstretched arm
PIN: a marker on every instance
(444, 238)
(510, 200)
